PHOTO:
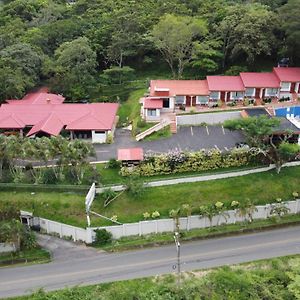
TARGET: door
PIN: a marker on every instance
(223, 96)
(293, 86)
(188, 101)
(194, 101)
(257, 93)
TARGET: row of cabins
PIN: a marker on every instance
(165, 95)
(43, 114)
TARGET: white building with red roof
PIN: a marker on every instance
(44, 114)
(289, 79)
(166, 95)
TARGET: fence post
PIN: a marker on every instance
(47, 226)
(297, 205)
(156, 226)
(74, 234)
(123, 229)
(60, 230)
(89, 235)
(140, 228)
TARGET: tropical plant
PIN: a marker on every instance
(175, 214)
(246, 210)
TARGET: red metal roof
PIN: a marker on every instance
(225, 83)
(51, 118)
(153, 103)
(179, 87)
(288, 74)
(130, 154)
(51, 125)
(260, 80)
(39, 98)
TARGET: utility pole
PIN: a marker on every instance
(177, 243)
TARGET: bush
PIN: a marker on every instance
(49, 176)
(180, 162)
(113, 164)
(103, 237)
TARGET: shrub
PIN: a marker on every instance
(103, 237)
(113, 163)
(49, 176)
(155, 215)
(295, 195)
(109, 139)
(146, 215)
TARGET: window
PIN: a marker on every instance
(271, 92)
(285, 86)
(215, 95)
(250, 92)
(166, 103)
(202, 99)
(179, 100)
(236, 95)
(99, 132)
(151, 112)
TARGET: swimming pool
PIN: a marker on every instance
(293, 111)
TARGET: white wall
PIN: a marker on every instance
(152, 118)
(7, 247)
(209, 118)
(99, 137)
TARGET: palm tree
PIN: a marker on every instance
(175, 214)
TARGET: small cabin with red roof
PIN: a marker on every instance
(289, 79)
(44, 114)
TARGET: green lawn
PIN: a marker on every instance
(265, 279)
(161, 134)
(69, 208)
(130, 110)
(34, 256)
(111, 176)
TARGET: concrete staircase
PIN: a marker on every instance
(152, 129)
(173, 124)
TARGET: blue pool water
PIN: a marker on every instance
(283, 112)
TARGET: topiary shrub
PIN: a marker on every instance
(113, 163)
(103, 237)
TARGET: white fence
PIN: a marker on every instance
(158, 226)
(63, 230)
(208, 118)
(7, 247)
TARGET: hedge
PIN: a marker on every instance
(180, 162)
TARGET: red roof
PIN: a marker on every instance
(153, 103)
(259, 80)
(130, 154)
(225, 83)
(51, 118)
(179, 87)
(39, 98)
(51, 125)
(288, 74)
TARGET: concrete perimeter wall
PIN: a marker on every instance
(208, 118)
(158, 226)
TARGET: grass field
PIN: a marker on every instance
(270, 279)
(34, 256)
(69, 207)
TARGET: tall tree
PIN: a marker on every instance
(75, 64)
(174, 37)
(290, 22)
(247, 31)
(260, 134)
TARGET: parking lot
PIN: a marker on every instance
(189, 138)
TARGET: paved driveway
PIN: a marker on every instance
(191, 138)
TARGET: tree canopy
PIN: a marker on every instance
(189, 38)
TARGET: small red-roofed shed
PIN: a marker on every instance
(130, 155)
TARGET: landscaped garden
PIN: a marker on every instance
(69, 207)
(273, 279)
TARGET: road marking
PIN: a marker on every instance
(207, 130)
(192, 133)
(149, 262)
(102, 151)
(223, 130)
(217, 148)
(226, 148)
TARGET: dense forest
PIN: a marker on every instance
(77, 48)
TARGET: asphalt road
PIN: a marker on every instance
(189, 138)
(93, 267)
